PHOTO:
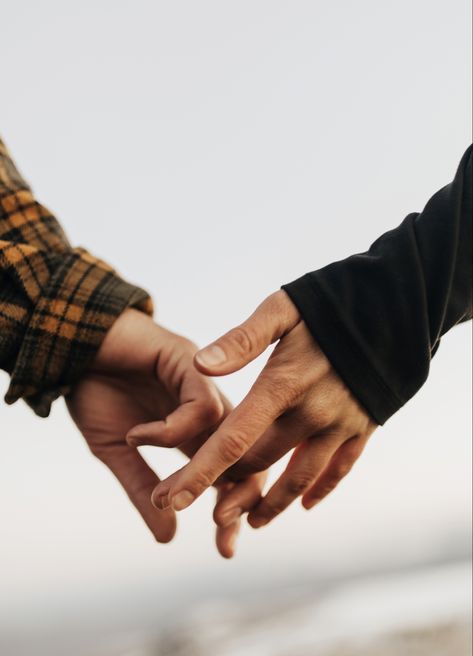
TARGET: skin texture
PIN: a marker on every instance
(298, 403)
(144, 374)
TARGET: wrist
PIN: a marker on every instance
(130, 342)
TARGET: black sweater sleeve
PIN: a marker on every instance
(379, 315)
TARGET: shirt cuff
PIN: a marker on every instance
(332, 333)
(76, 307)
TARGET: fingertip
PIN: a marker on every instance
(155, 434)
(308, 504)
(256, 521)
(210, 359)
(166, 527)
(229, 554)
(182, 500)
(226, 540)
(146, 434)
(211, 356)
(166, 538)
(199, 365)
(226, 552)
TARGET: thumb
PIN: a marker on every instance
(269, 322)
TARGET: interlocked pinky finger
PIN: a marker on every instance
(339, 466)
(308, 460)
(233, 500)
(226, 537)
(239, 498)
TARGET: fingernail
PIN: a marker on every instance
(161, 502)
(232, 515)
(211, 356)
(182, 500)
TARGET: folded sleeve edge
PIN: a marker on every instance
(342, 349)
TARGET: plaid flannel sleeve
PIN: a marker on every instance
(56, 302)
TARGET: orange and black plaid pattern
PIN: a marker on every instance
(56, 302)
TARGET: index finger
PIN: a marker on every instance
(235, 436)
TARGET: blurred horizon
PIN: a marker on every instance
(428, 604)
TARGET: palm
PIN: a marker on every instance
(143, 374)
(106, 407)
(144, 389)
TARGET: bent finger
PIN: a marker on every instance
(239, 499)
(307, 462)
(190, 447)
(201, 407)
(338, 467)
(235, 436)
(281, 437)
(226, 537)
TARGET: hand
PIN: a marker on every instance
(297, 402)
(144, 373)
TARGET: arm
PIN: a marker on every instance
(379, 316)
(56, 302)
(377, 319)
(70, 326)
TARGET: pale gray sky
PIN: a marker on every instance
(212, 151)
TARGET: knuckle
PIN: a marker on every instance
(341, 471)
(293, 386)
(212, 411)
(272, 507)
(285, 387)
(328, 487)
(200, 482)
(251, 464)
(100, 451)
(219, 515)
(233, 446)
(168, 439)
(278, 303)
(242, 339)
(323, 415)
(297, 485)
(354, 451)
(139, 488)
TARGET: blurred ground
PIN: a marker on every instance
(443, 640)
(409, 613)
(417, 611)
(454, 639)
